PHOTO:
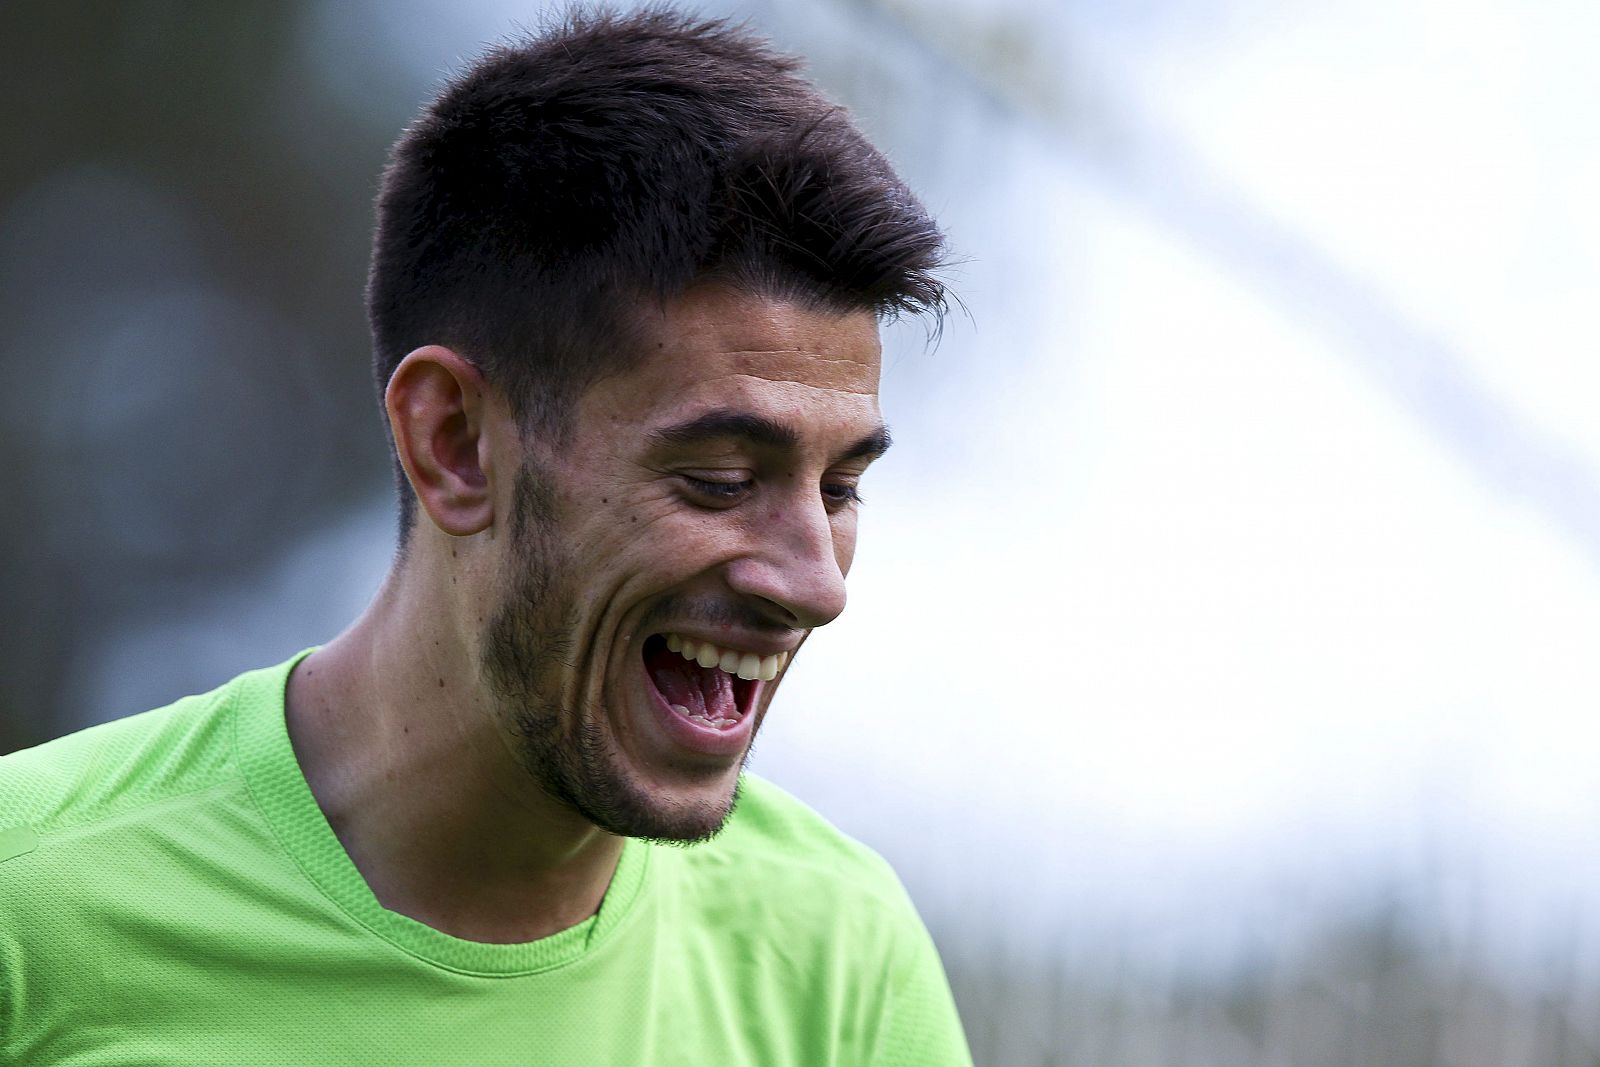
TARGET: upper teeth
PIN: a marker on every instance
(746, 665)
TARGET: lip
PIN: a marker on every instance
(691, 736)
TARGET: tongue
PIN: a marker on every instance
(702, 690)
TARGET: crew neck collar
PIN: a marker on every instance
(284, 798)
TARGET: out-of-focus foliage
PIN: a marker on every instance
(184, 217)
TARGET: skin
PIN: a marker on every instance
(482, 736)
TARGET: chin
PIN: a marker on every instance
(588, 775)
(680, 817)
(694, 822)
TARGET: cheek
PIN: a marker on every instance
(649, 541)
(616, 519)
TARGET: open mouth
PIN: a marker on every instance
(707, 684)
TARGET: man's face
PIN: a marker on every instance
(669, 557)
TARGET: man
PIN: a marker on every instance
(624, 296)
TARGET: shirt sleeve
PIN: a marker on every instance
(922, 1028)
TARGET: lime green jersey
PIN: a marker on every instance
(170, 893)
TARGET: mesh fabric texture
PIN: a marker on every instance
(170, 893)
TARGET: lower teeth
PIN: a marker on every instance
(718, 723)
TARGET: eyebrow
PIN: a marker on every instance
(760, 430)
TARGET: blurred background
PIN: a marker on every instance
(1221, 668)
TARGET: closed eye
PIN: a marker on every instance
(836, 495)
(720, 491)
(841, 494)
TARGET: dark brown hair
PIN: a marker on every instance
(567, 178)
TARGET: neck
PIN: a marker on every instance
(406, 756)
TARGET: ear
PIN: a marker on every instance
(438, 406)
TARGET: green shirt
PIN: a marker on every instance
(170, 893)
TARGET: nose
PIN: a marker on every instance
(795, 561)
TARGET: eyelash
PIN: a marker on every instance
(846, 494)
(838, 495)
(719, 490)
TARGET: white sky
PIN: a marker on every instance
(1202, 578)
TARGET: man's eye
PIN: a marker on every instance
(841, 494)
(723, 491)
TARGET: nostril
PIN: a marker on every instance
(796, 592)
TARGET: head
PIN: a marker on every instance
(656, 259)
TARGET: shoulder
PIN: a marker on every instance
(818, 918)
(777, 842)
(771, 824)
(107, 771)
(114, 844)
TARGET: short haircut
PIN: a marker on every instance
(566, 179)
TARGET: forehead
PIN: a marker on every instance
(715, 347)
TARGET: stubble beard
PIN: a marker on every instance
(526, 648)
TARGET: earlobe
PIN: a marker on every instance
(436, 406)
